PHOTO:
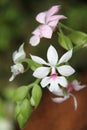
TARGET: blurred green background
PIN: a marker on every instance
(17, 21)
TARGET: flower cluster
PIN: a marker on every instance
(53, 73)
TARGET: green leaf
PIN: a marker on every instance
(17, 110)
(65, 41)
(25, 113)
(36, 95)
(78, 38)
(20, 93)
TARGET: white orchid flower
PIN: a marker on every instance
(48, 21)
(55, 67)
(64, 98)
(17, 68)
(74, 85)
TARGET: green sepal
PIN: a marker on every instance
(64, 41)
(36, 95)
(78, 38)
(24, 112)
(20, 93)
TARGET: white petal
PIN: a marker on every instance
(45, 81)
(17, 69)
(41, 72)
(77, 85)
(65, 57)
(52, 55)
(66, 70)
(62, 81)
(60, 99)
(59, 92)
(12, 78)
(19, 55)
(34, 40)
(41, 17)
(46, 31)
(75, 101)
(38, 60)
(53, 86)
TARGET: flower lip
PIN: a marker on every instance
(54, 76)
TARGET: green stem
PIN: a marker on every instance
(37, 81)
(32, 84)
(65, 27)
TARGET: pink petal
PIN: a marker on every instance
(41, 17)
(36, 31)
(54, 9)
(53, 21)
(46, 31)
(34, 40)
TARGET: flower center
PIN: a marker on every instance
(54, 76)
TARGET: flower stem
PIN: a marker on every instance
(65, 27)
(32, 84)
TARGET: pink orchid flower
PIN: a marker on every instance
(48, 21)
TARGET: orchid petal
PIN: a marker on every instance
(34, 40)
(53, 24)
(41, 17)
(54, 9)
(75, 101)
(59, 92)
(62, 81)
(36, 32)
(19, 55)
(38, 60)
(12, 78)
(52, 55)
(53, 86)
(77, 86)
(66, 57)
(45, 81)
(46, 31)
(53, 20)
(66, 70)
(41, 72)
(60, 99)
(16, 69)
